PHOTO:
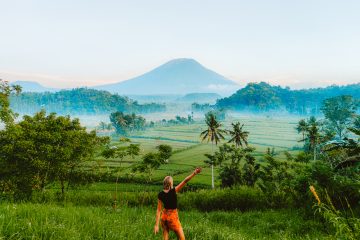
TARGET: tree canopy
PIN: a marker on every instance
(42, 149)
(127, 123)
(79, 101)
(6, 114)
(340, 112)
(264, 97)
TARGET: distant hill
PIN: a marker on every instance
(80, 101)
(264, 97)
(179, 76)
(161, 98)
(200, 98)
(29, 86)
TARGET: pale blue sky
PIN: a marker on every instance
(68, 43)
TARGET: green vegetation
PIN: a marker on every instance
(177, 121)
(6, 114)
(260, 97)
(125, 124)
(152, 161)
(340, 112)
(230, 173)
(42, 149)
(79, 101)
(74, 184)
(38, 221)
(346, 225)
(238, 136)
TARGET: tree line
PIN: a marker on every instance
(126, 124)
(79, 101)
(261, 97)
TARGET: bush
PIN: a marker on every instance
(43, 149)
(324, 177)
(241, 198)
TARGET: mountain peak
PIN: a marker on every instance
(182, 60)
(181, 63)
(177, 76)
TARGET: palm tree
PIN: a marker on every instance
(313, 134)
(238, 136)
(302, 127)
(102, 126)
(213, 133)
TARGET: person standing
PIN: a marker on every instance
(169, 214)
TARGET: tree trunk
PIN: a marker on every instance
(62, 187)
(314, 152)
(212, 176)
(212, 168)
(116, 190)
(116, 187)
(340, 133)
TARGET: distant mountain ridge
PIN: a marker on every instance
(200, 98)
(178, 76)
(31, 86)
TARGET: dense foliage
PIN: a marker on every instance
(205, 107)
(125, 124)
(43, 149)
(153, 160)
(6, 114)
(334, 170)
(264, 97)
(340, 112)
(172, 122)
(79, 101)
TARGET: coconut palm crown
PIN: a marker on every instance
(238, 136)
(302, 127)
(213, 133)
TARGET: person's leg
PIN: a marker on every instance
(180, 233)
(165, 230)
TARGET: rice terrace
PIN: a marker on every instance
(108, 132)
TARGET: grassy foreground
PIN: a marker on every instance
(51, 221)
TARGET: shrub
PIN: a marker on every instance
(324, 177)
(241, 198)
(346, 225)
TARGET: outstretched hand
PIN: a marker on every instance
(156, 229)
(197, 170)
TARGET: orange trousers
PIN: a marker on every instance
(170, 219)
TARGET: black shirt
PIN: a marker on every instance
(169, 199)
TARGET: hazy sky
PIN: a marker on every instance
(68, 43)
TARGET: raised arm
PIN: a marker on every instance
(158, 211)
(188, 178)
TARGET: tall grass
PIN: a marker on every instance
(240, 198)
(346, 225)
(51, 221)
